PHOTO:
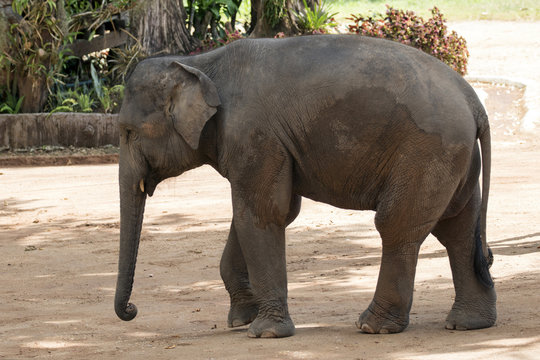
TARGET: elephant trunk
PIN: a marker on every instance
(132, 201)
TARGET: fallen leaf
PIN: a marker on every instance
(170, 347)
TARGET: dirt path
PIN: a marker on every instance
(58, 260)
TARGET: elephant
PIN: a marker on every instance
(355, 122)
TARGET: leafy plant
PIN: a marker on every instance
(112, 98)
(205, 17)
(86, 15)
(109, 98)
(12, 104)
(36, 49)
(123, 60)
(37, 52)
(315, 20)
(430, 36)
(274, 11)
(37, 42)
(72, 100)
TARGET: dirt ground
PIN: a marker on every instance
(59, 247)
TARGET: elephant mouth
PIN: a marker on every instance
(149, 183)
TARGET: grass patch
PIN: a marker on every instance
(453, 10)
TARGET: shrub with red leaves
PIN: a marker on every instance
(430, 36)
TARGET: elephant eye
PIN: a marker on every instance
(130, 135)
(171, 110)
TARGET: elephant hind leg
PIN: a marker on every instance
(389, 310)
(475, 303)
(406, 214)
(403, 227)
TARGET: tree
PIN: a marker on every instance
(269, 17)
(32, 51)
(160, 27)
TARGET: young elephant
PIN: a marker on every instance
(356, 122)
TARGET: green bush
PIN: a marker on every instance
(315, 19)
(430, 36)
(12, 105)
(79, 99)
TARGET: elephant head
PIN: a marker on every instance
(165, 109)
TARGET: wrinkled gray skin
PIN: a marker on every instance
(358, 123)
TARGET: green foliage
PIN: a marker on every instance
(37, 43)
(38, 46)
(430, 36)
(123, 60)
(206, 17)
(84, 99)
(84, 15)
(215, 6)
(109, 98)
(274, 11)
(78, 6)
(72, 100)
(315, 20)
(12, 105)
(74, 7)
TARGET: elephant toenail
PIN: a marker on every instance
(268, 334)
(367, 329)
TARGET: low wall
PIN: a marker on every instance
(60, 129)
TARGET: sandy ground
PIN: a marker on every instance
(59, 247)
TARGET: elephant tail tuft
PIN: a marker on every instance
(481, 263)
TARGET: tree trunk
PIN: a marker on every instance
(261, 25)
(30, 85)
(34, 90)
(7, 17)
(160, 26)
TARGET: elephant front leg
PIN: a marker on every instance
(264, 252)
(233, 269)
(263, 205)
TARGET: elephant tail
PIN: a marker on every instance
(483, 256)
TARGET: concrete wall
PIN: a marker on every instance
(61, 129)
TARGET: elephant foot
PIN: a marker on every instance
(375, 320)
(271, 327)
(242, 314)
(467, 318)
(463, 320)
(471, 312)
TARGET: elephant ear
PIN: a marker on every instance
(193, 102)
